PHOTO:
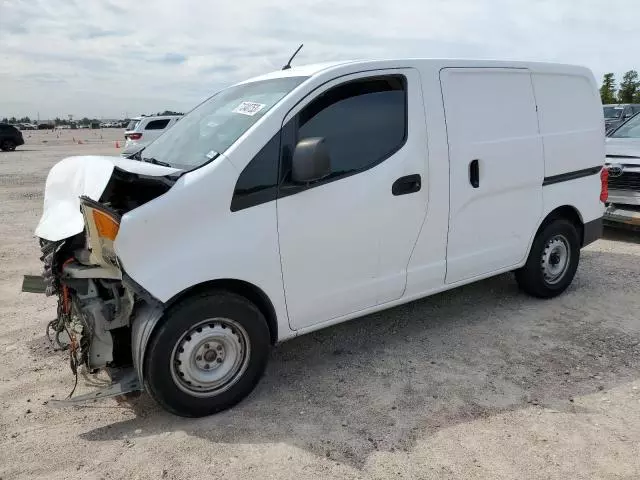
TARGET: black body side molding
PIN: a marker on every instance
(565, 177)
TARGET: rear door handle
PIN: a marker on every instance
(474, 173)
(406, 185)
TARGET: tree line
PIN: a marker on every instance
(56, 121)
(83, 121)
(628, 92)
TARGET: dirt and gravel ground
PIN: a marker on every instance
(481, 382)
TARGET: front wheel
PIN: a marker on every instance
(8, 146)
(207, 355)
(553, 260)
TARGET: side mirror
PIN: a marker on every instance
(311, 160)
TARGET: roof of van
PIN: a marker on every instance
(314, 69)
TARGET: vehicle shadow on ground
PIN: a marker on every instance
(623, 234)
(379, 382)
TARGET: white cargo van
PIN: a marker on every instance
(309, 196)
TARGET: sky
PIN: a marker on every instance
(117, 58)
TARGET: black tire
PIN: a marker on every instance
(164, 379)
(7, 146)
(531, 278)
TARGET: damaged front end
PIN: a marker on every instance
(96, 310)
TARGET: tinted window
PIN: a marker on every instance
(258, 181)
(363, 122)
(612, 112)
(157, 124)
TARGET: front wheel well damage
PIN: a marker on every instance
(251, 292)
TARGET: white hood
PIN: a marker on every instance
(628, 148)
(74, 177)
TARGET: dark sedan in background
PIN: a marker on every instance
(10, 137)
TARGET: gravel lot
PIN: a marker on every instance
(480, 382)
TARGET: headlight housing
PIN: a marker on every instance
(102, 225)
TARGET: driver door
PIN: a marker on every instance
(345, 241)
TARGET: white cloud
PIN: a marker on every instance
(107, 58)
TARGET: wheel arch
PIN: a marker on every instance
(248, 290)
(567, 212)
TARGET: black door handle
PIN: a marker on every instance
(474, 173)
(405, 185)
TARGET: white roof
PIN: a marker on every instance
(313, 69)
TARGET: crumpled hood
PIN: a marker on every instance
(74, 177)
(624, 147)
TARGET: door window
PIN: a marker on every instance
(258, 181)
(157, 124)
(363, 122)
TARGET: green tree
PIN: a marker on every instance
(5, 120)
(629, 87)
(13, 120)
(608, 89)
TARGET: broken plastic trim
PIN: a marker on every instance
(139, 291)
(126, 382)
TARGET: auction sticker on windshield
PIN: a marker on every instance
(249, 108)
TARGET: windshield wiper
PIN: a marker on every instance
(156, 162)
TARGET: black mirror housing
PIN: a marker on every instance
(311, 160)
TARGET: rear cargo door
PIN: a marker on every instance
(496, 168)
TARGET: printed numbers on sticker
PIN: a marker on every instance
(249, 108)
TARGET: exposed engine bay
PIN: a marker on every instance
(95, 308)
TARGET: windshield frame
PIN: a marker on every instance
(634, 118)
(296, 81)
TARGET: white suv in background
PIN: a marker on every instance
(141, 131)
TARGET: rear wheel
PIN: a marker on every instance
(8, 146)
(209, 354)
(552, 262)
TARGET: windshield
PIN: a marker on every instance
(612, 112)
(213, 126)
(631, 129)
(132, 125)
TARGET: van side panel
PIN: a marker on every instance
(571, 121)
(491, 122)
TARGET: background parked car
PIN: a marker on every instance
(10, 137)
(143, 130)
(616, 115)
(623, 160)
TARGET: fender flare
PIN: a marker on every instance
(143, 324)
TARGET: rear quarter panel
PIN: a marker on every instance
(570, 119)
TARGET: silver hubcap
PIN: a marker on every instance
(210, 358)
(555, 259)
